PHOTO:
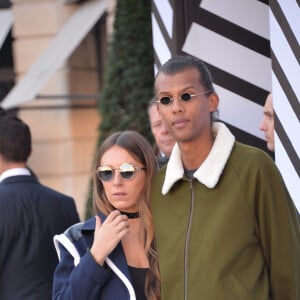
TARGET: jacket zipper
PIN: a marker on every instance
(187, 239)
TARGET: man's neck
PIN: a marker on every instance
(195, 152)
(5, 165)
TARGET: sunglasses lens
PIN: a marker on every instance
(127, 171)
(105, 173)
(127, 174)
(165, 100)
(186, 97)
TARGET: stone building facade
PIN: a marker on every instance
(63, 118)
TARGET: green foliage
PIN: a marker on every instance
(129, 74)
(128, 83)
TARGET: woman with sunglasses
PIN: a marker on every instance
(112, 255)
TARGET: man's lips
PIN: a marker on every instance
(180, 123)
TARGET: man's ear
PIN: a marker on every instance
(213, 102)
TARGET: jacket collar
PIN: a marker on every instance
(19, 178)
(91, 223)
(211, 169)
(14, 172)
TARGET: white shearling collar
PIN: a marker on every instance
(211, 169)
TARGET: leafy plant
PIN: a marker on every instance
(129, 74)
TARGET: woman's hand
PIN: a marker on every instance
(108, 235)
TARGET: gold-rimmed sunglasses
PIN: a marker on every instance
(126, 170)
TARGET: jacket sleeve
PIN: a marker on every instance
(83, 281)
(279, 233)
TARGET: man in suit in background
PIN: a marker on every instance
(267, 122)
(30, 215)
(164, 142)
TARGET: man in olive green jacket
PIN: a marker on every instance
(225, 225)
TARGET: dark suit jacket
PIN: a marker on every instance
(162, 160)
(30, 215)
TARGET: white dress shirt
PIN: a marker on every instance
(14, 172)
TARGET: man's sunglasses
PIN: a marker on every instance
(127, 171)
(185, 97)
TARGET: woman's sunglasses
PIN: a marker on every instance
(185, 97)
(126, 170)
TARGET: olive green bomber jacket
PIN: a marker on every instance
(230, 233)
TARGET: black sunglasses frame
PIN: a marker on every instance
(185, 97)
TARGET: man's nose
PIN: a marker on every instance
(262, 125)
(177, 104)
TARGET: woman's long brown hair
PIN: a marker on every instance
(140, 148)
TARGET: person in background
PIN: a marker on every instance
(164, 142)
(30, 215)
(3, 113)
(225, 225)
(268, 127)
(267, 123)
(113, 255)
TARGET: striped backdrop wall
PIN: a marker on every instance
(285, 54)
(233, 37)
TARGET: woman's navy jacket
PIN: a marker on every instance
(79, 277)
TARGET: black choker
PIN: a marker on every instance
(134, 215)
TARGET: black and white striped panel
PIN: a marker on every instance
(285, 53)
(162, 28)
(232, 37)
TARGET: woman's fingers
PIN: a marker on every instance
(112, 215)
(122, 225)
(98, 222)
(114, 220)
(117, 221)
(108, 234)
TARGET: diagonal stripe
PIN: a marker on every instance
(264, 1)
(291, 10)
(157, 62)
(287, 145)
(286, 114)
(284, 16)
(286, 85)
(237, 85)
(249, 113)
(160, 46)
(249, 14)
(229, 56)
(162, 29)
(282, 51)
(292, 38)
(231, 31)
(166, 14)
(288, 172)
